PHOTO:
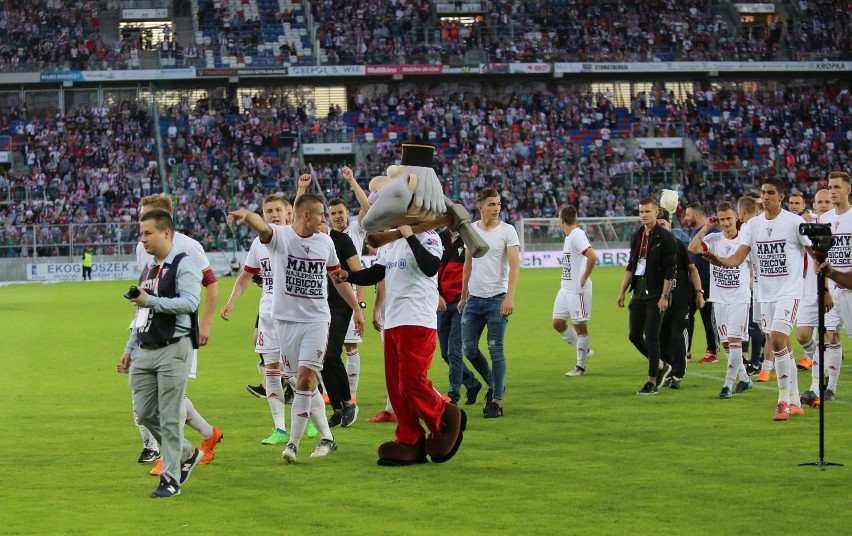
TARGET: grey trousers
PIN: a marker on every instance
(158, 380)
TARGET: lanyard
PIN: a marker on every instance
(643, 245)
(159, 272)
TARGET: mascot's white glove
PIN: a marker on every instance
(429, 194)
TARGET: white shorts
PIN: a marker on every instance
(731, 320)
(302, 344)
(779, 315)
(577, 307)
(841, 313)
(351, 336)
(267, 337)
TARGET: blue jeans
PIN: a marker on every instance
(479, 313)
(450, 340)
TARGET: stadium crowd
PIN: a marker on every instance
(539, 149)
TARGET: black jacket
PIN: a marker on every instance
(660, 260)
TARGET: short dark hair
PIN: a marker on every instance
(696, 207)
(162, 219)
(753, 195)
(777, 183)
(485, 193)
(337, 201)
(648, 201)
(568, 214)
(797, 193)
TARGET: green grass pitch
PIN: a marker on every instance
(571, 456)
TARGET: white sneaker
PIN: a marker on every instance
(576, 371)
(289, 453)
(324, 448)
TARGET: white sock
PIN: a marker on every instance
(767, 365)
(833, 360)
(794, 382)
(810, 348)
(318, 416)
(388, 407)
(582, 350)
(569, 335)
(735, 361)
(148, 440)
(300, 411)
(783, 363)
(195, 420)
(275, 398)
(353, 371)
(815, 370)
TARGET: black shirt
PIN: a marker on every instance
(345, 249)
(682, 289)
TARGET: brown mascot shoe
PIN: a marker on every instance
(442, 446)
(396, 454)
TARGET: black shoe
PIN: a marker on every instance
(335, 418)
(725, 392)
(189, 464)
(674, 382)
(349, 414)
(829, 396)
(663, 374)
(492, 411)
(256, 390)
(288, 394)
(472, 394)
(148, 456)
(489, 396)
(647, 389)
(167, 488)
(752, 369)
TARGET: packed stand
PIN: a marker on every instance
(820, 30)
(35, 36)
(664, 30)
(88, 166)
(375, 32)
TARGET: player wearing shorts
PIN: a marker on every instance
(729, 293)
(840, 219)
(808, 312)
(300, 257)
(574, 299)
(210, 435)
(780, 249)
(258, 263)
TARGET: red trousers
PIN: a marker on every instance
(408, 356)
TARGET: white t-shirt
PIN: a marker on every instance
(411, 298)
(300, 265)
(780, 253)
(840, 255)
(259, 263)
(183, 244)
(357, 233)
(727, 285)
(489, 275)
(574, 262)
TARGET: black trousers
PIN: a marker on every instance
(674, 337)
(333, 370)
(87, 271)
(645, 323)
(707, 320)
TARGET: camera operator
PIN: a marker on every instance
(159, 352)
(839, 270)
(774, 236)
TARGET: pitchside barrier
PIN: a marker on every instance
(53, 252)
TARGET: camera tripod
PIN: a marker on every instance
(821, 290)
